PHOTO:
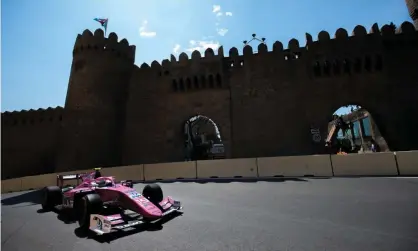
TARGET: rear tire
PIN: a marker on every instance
(86, 206)
(52, 196)
(153, 193)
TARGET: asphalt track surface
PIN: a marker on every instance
(307, 214)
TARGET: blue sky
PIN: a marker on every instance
(38, 36)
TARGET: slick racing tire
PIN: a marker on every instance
(89, 204)
(153, 193)
(52, 196)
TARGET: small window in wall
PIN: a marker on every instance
(357, 65)
(368, 63)
(174, 85)
(188, 84)
(336, 67)
(195, 82)
(317, 69)
(181, 86)
(211, 84)
(327, 68)
(347, 66)
(218, 81)
(379, 63)
(203, 81)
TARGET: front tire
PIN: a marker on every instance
(86, 206)
(52, 196)
(153, 193)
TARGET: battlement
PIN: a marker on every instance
(32, 117)
(209, 54)
(88, 41)
(293, 50)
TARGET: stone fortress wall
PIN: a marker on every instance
(264, 103)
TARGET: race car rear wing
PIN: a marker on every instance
(62, 179)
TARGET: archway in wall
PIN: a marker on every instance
(202, 139)
(352, 129)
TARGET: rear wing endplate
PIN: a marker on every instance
(62, 178)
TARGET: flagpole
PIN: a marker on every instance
(103, 22)
(107, 22)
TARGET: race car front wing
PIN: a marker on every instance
(104, 224)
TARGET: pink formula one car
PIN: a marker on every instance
(96, 196)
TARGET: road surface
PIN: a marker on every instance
(307, 214)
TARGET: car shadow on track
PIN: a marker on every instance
(107, 238)
(64, 215)
(34, 197)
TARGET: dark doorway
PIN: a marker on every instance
(202, 139)
(353, 130)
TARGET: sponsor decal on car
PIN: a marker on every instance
(113, 218)
(134, 195)
(99, 224)
(128, 225)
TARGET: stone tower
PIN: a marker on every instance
(413, 11)
(95, 104)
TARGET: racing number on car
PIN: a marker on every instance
(99, 224)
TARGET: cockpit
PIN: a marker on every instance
(104, 183)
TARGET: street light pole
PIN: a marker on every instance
(254, 37)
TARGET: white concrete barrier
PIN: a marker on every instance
(366, 164)
(39, 181)
(11, 185)
(407, 162)
(295, 166)
(170, 171)
(227, 168)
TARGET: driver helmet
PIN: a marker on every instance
(108, 183)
